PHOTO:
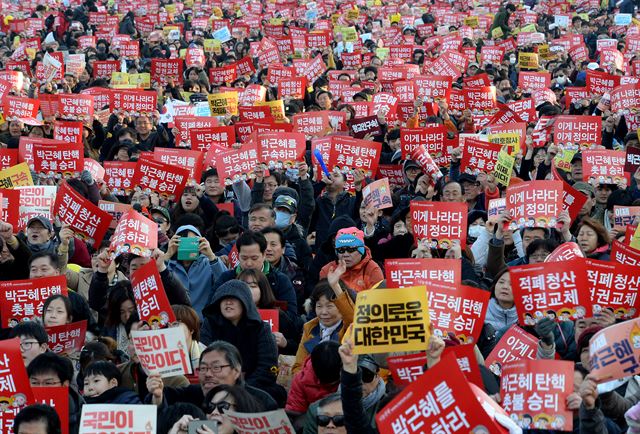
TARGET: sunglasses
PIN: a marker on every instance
(341, 250)
(322, 420)
(368, 376)
(221, 406)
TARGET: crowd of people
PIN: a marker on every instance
(301, 239)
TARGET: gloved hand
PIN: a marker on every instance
(544, 328)
(86, 177)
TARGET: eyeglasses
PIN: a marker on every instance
(161, 221)
(45, 383)
(26, 346)
(368, 376)
(221, 406)
(341, 250)
(323, 420)
(539, 256)
(214, 369)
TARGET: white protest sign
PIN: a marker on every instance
(120, 418)
(162, 351)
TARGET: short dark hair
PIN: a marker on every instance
(51, 362)
(55, 262)
(231, 353)
(38, 413)
(107, 369)
(208, 174)
(323, 288)
(276, 231)
(267, 299)
(547, 244)
(249, 238)
(30, 329)
(326, 362)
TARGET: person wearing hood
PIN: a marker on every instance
(128, 25)
(196, 274)
(285, 204)
(362, 272)
(233, 317)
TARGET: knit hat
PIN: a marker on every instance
(350, 237)
(586, 335)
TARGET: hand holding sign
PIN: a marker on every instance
(434, 350)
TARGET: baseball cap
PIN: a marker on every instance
(367, 362)
(287, 202)
(584, 187)
(185, 228)
(467, 177)
(350, 237)
(43, 221)
(162, 210)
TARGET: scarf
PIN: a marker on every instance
(326, 332)
(370, 401)
(499, 317)
(49, 246)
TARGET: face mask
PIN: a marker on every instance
(561, 80)
(475, 231)
(512, 60)
(282, 219)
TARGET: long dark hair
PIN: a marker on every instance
(267, 299)
(120, 293)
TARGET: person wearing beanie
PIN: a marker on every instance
(233, 317)
(362, 271)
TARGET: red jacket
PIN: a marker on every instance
(307, 389)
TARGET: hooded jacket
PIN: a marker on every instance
(361, 276)
(306, 389)
(251, 336)
(327, 210)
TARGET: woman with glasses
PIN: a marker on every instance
(362, 272)
(223, 398)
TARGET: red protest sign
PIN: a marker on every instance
(350, 153)
(222, 75)
(134, 234)
(467, 362)
(565, 252)
(162, 351)
(632, 162)
(394, 173)
(402, 273)
(151, 300)
(412, 138)
(18, 107)
(614, 351)
(118, 176)
(115, 210)
(621, 253)
(23, 299)
(558, 290)
(604, 166)
(458, 309)
(312, 124)
(440, 224)
(572, 199)
(203, 138)
(167, 180)
(134, 102)
(88, 222)
(64, 158)
(56, 397)
(280, 150)
(105, 68)
(438, 401)
(237, 164)
(479, 156)
(101, 97)
(515, 344)
(163, 70)
(13, 376)
(76, 107)
(271, 317)
(183, 158)
(575, 132)
(8, 158)
(292, 87)
(624, 216)
(614, 286)
(362, 127)
(186, 123)
(67, 338)
(534, 204)
(408, 368)
(68, 132)
(10, 206)
(599, 82)
(534, 393)
(529, 80)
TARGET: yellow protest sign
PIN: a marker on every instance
(545, 53)
(335, 18)
(275, 21)
(212, 46)
(635, 239)
(471, 21)
(167, 29)
(276, 107)
(389, 320)
(563, 158)
(16, 176)
(352, 14)
(504, 168)
(529, 28)
(497, 33)
(511, 140)
(349, 34)
(142, 80)
(584, 16)
(186, 96)
(31, 53)
(223, 103)
(528, 60)
(119, 79)
(382, 52)
(170, 8)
